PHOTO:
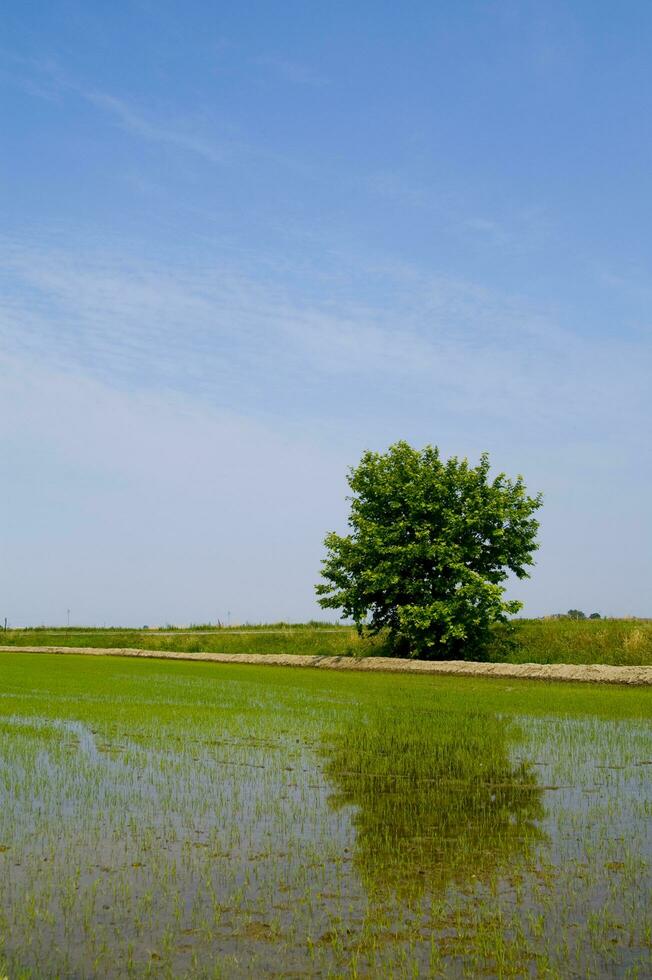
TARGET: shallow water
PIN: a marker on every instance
(221, 824)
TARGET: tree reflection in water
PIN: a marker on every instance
(439, 799)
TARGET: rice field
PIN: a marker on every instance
(177, 819)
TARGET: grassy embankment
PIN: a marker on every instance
(621, 642)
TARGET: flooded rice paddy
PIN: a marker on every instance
(197, 820)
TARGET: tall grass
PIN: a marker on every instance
(621, 642)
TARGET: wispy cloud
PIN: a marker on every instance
(46, 79)
(508, 229)
(291, 71)
(139, 123)
(113, 366)
(512, 230)
(396, 187)
(220, 334)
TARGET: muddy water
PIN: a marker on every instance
(368, 843)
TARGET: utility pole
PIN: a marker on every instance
(68, 611)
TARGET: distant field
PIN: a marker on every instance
(622, 642)
(334, 641)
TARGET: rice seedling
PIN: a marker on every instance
(200, 820)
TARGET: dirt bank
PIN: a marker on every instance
(595, 673)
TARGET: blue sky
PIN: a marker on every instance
(241, 243)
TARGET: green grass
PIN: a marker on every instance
(278, 638)
(192, 627)
(202, 820)
(605, 641)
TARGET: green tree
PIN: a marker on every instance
(431, 543)
(575, 614)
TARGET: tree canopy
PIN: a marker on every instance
(431, 544)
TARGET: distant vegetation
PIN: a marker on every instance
(551, 640)
(578, 614)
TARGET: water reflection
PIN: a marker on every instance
(439, 798)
